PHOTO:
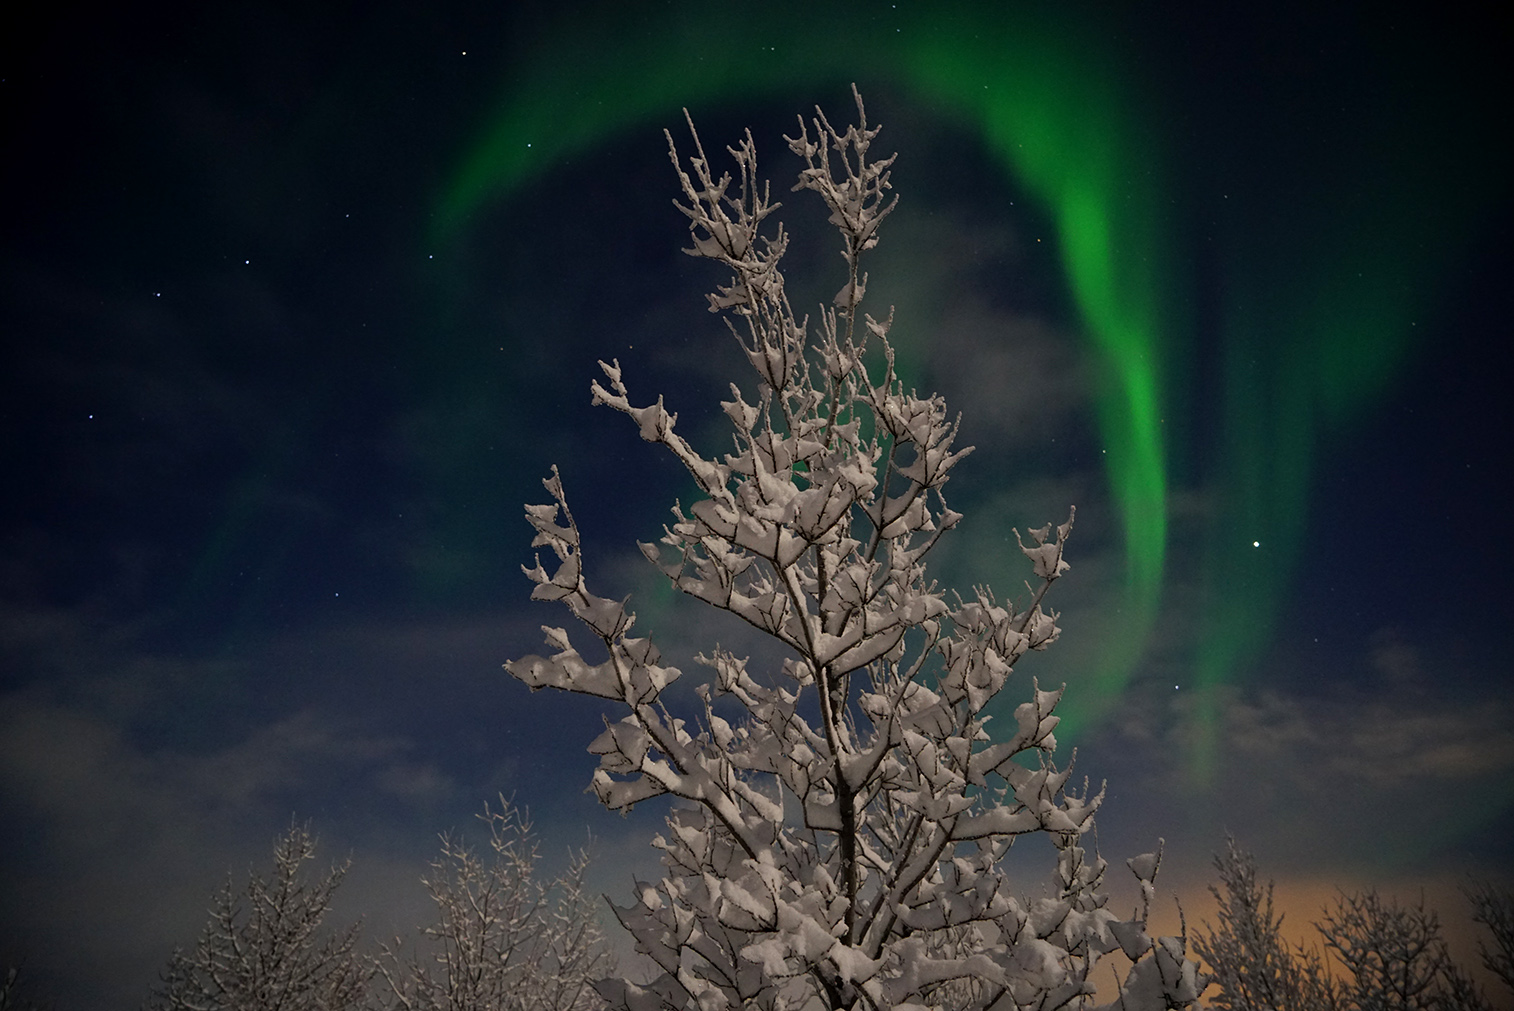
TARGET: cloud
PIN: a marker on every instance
(1364, 742)
(126, 798)
(1387, 775)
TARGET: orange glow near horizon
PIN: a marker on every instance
(1304, 901)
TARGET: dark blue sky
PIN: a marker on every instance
(265, 432)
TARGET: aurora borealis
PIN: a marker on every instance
(1320, 301)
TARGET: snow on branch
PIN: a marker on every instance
(840, 844)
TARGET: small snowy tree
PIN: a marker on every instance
(840, 844)
(263, 948)
(506, 938)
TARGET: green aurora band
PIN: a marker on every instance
(1307, 344)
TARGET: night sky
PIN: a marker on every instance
(299, 303)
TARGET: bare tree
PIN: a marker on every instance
(1494, 909)
(1395, 955)
(506, 939)
(1255, 968)
(1388, 957)
(839, 838)
(264, 950)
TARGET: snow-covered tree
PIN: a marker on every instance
(1254, 967)
(506, 938)
(840, 843)
(263, 948)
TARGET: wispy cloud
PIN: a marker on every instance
(1389, 768)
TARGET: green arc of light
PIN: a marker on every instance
(1323, 269)
(1050, 111)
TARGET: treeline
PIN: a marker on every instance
(1372, 954)
(505, 938)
